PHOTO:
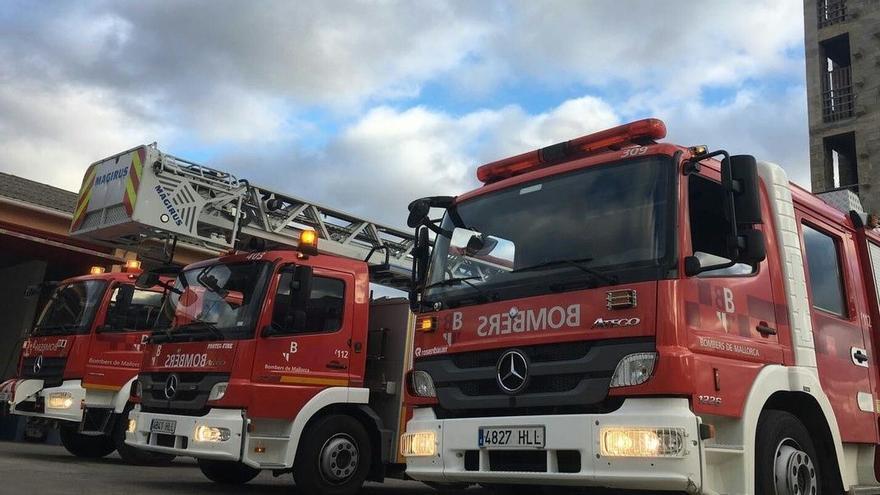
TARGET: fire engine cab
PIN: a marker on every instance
(89, 336)
(615, 311)
(275, 356)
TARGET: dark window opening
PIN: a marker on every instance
(831, 12)
(323, 311)
(823, 266)
(837, 90)
(709, 227)
(841, 164)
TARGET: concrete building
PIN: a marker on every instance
(842, 40)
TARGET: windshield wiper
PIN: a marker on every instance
(454, 281)
(579, 263)
(462, 280)
(192, 331)
(51, 329)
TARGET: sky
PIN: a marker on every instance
(366, 105)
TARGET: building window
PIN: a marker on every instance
(837, 89)
(841, 164)
(831, 12)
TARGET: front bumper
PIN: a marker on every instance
(37, 404)
(457, 450)
(182, 442)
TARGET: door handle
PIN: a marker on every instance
(764, 329)
(859, 357)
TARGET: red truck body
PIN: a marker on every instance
(786, 339)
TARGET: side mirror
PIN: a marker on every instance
(419, 209)
(418, 212)
(490, 250)
(421, 258)
(739, 175)
(752, 246)
(116, 318)
(301, 286)
(146, 280)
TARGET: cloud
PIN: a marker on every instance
(389, 157)
(338, 102)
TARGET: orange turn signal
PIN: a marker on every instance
(426, 324)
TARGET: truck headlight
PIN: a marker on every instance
(60, 400)
(218, 391)
(422, 384)
(211, 434)
(642, 442)
(634, 369)
(419, 444)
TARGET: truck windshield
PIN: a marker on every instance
(71, 308)
(596, 226)
(214, 302)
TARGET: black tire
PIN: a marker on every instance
(227, 472)
(317, 470)
(85, 446)
(133, 455)
(785, 455)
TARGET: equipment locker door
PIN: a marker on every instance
(310, 352)
(836, 308)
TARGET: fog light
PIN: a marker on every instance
(218, 391)
(132, 425)
(418, 444)
(422, 384)
(60, 400)
(642, 442)
(634, 369)
(211, 434)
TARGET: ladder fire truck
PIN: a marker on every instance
(274, 356)
(89, 335)
(614, 311)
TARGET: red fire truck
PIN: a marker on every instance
(613, 311)
(89, 336)
(276, 357)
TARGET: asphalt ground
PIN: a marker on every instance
(38, 469)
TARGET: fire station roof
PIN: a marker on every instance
(28, 191)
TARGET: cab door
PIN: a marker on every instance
(837, 310)
(306, 346)
(121, 332)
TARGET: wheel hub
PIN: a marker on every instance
(339, 459)
(794, 472)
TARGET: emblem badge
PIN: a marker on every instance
(512, 372)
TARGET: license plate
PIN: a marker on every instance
(163, 426)
(511, 437)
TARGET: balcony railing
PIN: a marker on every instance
(831, 12)
(837, 94)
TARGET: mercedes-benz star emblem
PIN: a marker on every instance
(38, 364)
(171, 386)
(512, 371)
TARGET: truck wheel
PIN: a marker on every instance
(133, 455)
(785, 458)
(86, 446)
(333, 457)
(227, 472)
